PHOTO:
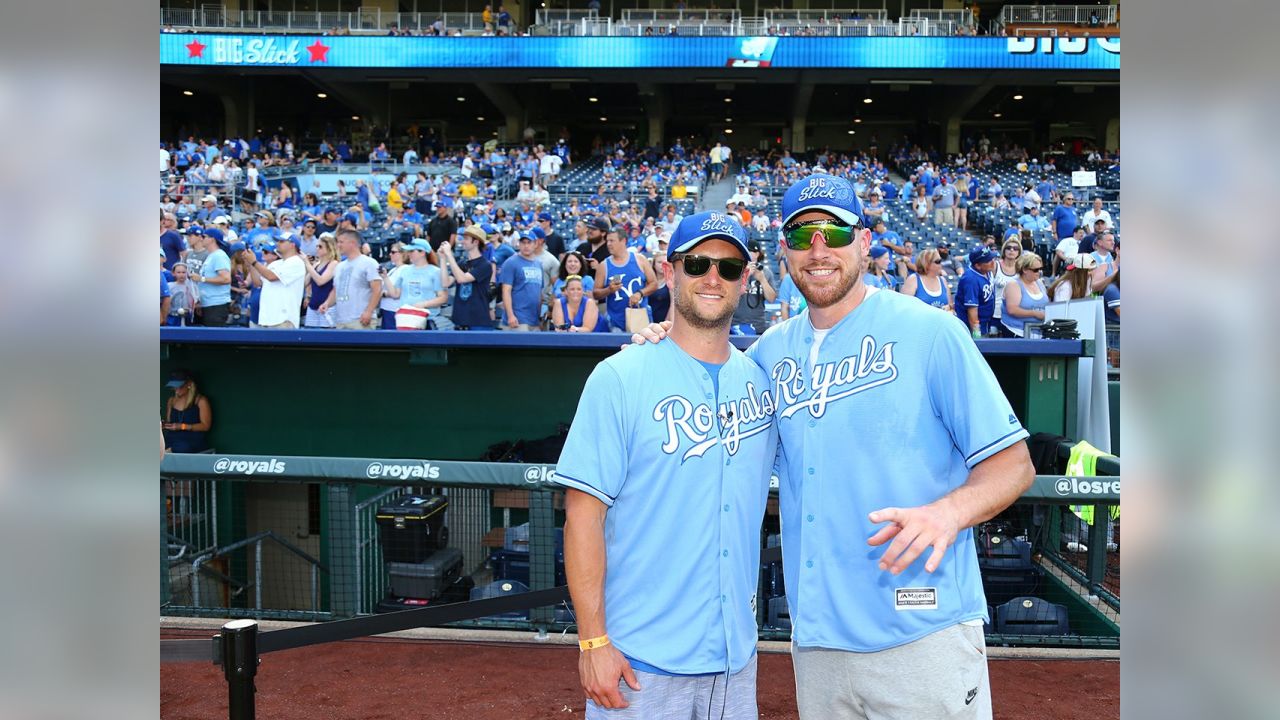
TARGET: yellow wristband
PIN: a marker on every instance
(593, 643)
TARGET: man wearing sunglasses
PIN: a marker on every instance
(895, 436)
(666, 469)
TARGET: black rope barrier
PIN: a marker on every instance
(238, 646)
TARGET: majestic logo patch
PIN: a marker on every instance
(915, 599)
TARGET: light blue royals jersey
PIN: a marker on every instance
(685, 474)
(898, 409)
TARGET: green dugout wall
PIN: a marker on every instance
(449, 395)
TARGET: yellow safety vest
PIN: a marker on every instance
(1083, 462)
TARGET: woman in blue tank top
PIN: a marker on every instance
(573, 312)
(928, 285)
(187, 416)
(1025, 298)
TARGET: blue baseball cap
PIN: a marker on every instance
(879, 251)
(545, 216)
(828, 193)
(489, 229)
(288, 237)
(236, 247)
(981, 254)
(526, 235)
(268, 247)
(537, 233)
(706, 226)
(214, 233)
(417, 244)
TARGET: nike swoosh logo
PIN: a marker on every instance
(968, 698)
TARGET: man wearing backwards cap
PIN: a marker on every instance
(686, 424)
(896, 439)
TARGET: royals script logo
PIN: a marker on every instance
(831, 381)
(739, 420)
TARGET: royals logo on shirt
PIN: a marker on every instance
(833, 381)
(698, 428)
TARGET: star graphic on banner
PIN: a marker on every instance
(195, 49)
(318, 51)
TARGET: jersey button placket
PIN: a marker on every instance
(726, 531)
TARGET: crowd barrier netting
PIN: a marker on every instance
(324, 539)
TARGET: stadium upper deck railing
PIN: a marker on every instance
(851, 22)
(1058, 14)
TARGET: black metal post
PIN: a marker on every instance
(239, 666)
(1097, 556)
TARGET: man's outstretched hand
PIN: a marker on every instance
(912, 531)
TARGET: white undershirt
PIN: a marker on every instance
(821, 335)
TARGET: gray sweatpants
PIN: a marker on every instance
(940, 676)
(700, 697)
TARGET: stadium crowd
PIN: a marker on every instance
(457, 256)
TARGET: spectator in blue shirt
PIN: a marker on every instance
(886, 238)
(171, 242)
(522, 280)
(975, 303)
(262, 232)
(944, 203)
(210, 209)
(1046, 190)
(877, 274)
(873, 208)
(213, 282)
(1064, 217)
(1111, 300)
(1033, 221)
(165, 295)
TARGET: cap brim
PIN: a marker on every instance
(713, 235)
(175, 383)
(837, 212)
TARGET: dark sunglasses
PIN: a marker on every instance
(800, 237)
(698, 265)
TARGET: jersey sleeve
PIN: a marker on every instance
(1111, 296)
(594, 457)
(966, 397)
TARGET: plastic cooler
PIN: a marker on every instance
(412, 528)
(428, 579)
